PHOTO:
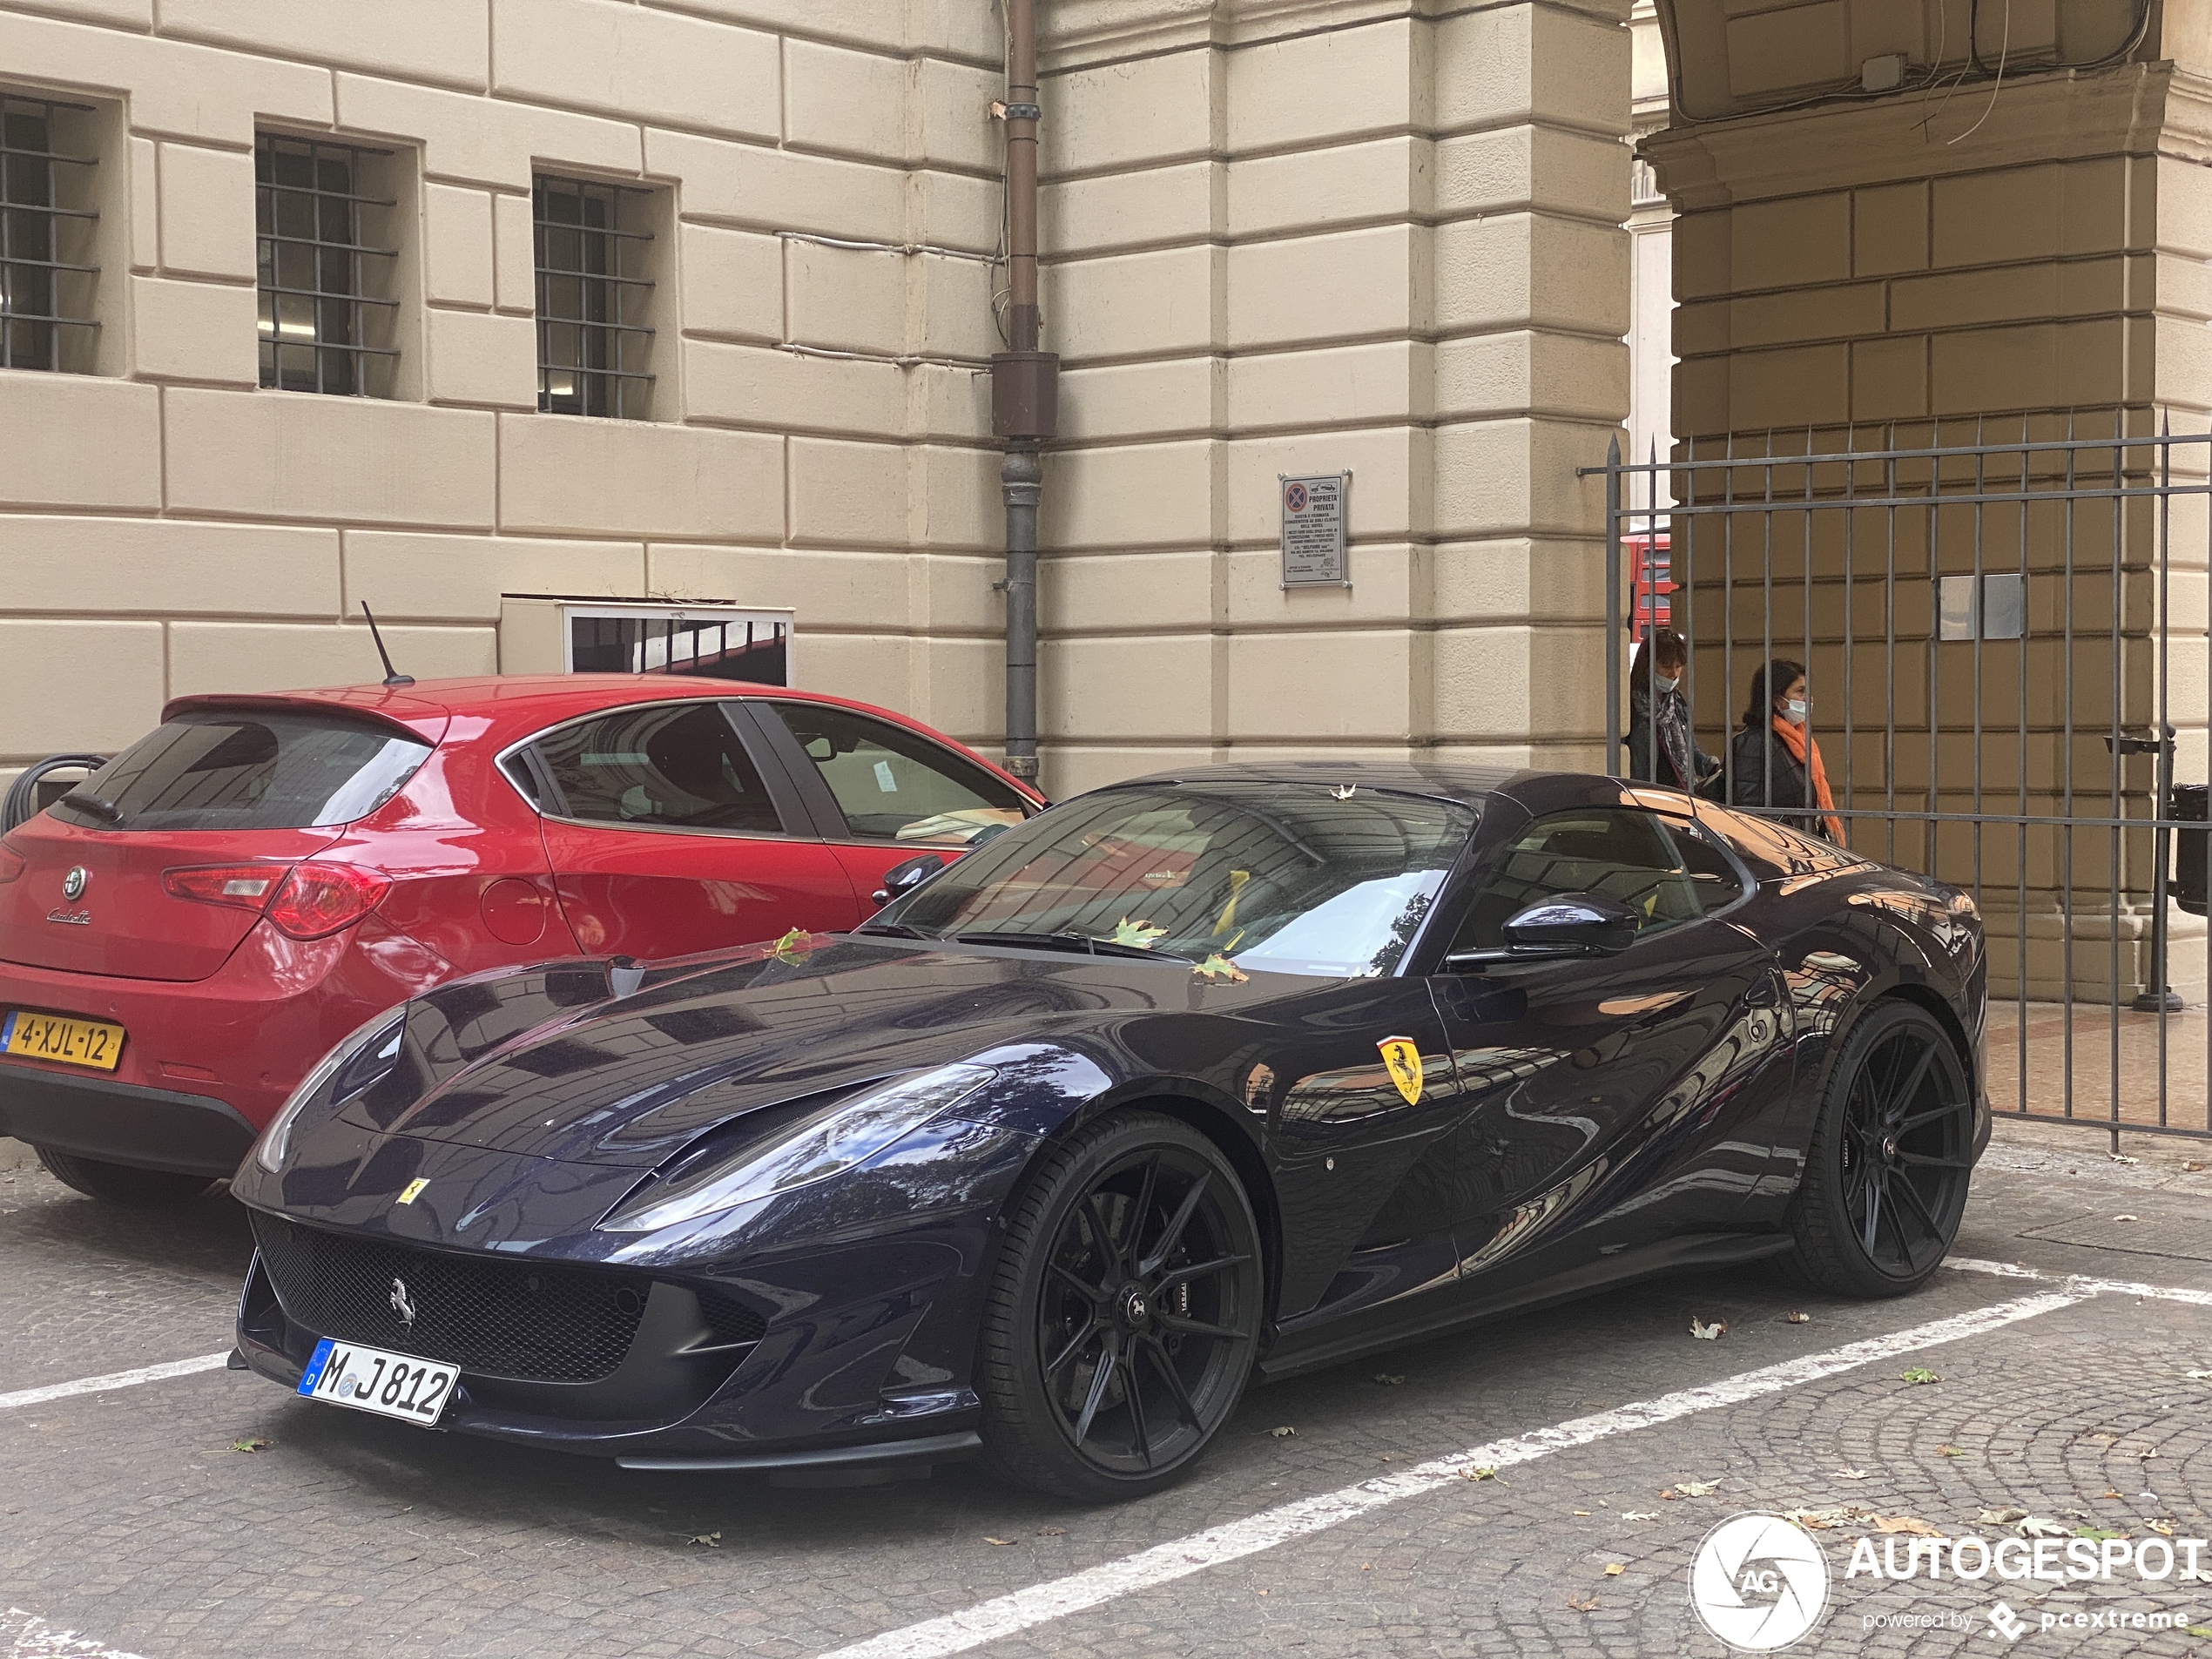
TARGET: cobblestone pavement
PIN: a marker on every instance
(127, 1516)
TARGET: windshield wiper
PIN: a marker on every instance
(892, 930)
(99, 805)
(1067, 939)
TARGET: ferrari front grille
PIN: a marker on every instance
(499, 1318)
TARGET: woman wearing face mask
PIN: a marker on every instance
(1662, 745)
(1774, 763)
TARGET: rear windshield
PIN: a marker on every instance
(225, 770)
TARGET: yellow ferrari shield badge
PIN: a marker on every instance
(414, 1189)
(1404, 1059)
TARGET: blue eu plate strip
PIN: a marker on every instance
(313, 1375)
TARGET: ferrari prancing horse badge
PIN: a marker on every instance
(1404, 1059)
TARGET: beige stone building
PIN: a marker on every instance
(1282, 235)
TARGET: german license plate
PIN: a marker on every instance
(370, 1380)
(50, 1036)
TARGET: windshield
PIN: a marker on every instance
(234, 771)
(1282, 877)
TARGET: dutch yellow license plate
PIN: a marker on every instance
(74, 1042)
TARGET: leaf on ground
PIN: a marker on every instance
(1283, 1434)
(1703, 1333)
(1140, 933)
(1919, 1374)
(711, 1539)
(1581, 1512)
(2126, 1217)
(2195, 1168)
(1697, 1489)
(2040, 1526)
(250, 1443)
(2204, 1630)
(2108, 1492)
(1821, 1520)
(2099, 1534)
(2161, 1528)
(2000, 1517)
(1000, 1542)
(1613, 1569)
(1949, 1451)
(2198, 1376)
(1912, 1525)
(1589, 1606)
(1219, 966)
(2122, 1157)
(1797, 1316)
(1847, 1474)
(1052, 1532)
(1480, 1471)
(1639, 1515)
(1388, 1380)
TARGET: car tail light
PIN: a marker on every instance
(308, 900)
(11, 864)
(318, 899)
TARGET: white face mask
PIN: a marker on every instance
(1795, 711)
(1660, 683)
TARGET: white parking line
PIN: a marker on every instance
(1163, 1563)
(115, 1379)
(24, 1637)
(2090, 1287)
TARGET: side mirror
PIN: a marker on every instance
(1573, 924)
(902, 878)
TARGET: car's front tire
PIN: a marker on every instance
(1125, 1313)
(1891, 1153)
(119, 1182)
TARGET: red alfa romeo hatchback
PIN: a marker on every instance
(187, 931)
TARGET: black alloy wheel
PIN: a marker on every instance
(1892, 1155)
(1125, 1314)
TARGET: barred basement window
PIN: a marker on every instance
(46, 229)
(327, 313)
(594, 346)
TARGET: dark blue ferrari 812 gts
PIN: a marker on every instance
(1243, 1070)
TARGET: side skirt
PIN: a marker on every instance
(1295, 1356)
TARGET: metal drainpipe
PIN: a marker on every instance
(1024, 392)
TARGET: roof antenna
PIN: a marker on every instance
(392, 676)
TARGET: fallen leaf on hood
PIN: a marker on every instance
(1712, 1333)
(1613, 1569)
(1000, 1542)
(1639, 1515)
(1589, 1606)
(1284, 1433)
(249, 1444)
(1219, 967)
(1796, 1316)
(786, 948)
(1699, 1488)
(1919, 1374)
(1140, 933)
(2037, 1526)
(2000, 1517)
(1388, 1380)
(1909, 1524)
(711, 1539)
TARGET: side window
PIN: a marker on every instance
(1623, 854)
(893, 784)
(669, 765)
(1718, 883)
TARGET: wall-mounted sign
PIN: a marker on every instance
(1314, 510)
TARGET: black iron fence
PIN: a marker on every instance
(2007, 641)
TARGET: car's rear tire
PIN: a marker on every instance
(1124, 1312)
(1891, 1153)
(119, 1182)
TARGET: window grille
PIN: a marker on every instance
(592, 341)
(315, 297)
(39, 303)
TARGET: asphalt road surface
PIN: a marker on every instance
(132, 1524)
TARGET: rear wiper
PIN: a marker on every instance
(1067, 939)
(99, 805)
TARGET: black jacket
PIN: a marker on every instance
(1671, 757)
(1755, 757)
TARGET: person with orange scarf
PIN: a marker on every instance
(1775, 766)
